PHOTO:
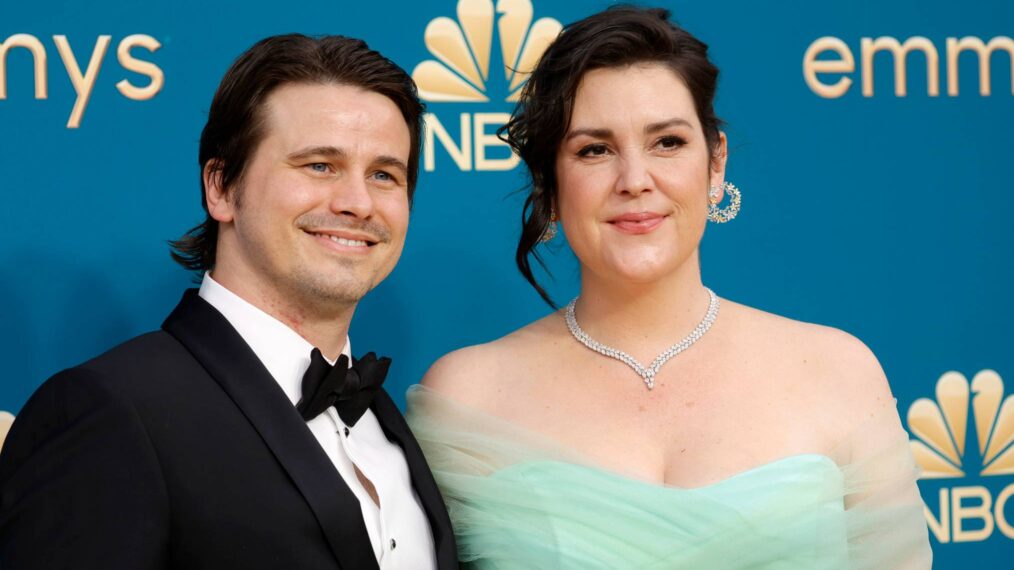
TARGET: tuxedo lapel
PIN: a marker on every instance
(210, 338)
(397, 430)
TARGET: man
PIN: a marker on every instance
(226, 439)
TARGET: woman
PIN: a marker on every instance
(753, 440)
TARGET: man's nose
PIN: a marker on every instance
(351, 196)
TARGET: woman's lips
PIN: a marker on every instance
(637, 223)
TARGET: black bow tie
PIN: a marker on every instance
(349, 390)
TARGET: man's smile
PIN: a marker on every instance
(342, 241)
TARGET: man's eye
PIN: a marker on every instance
(321, 167)
(592, 150)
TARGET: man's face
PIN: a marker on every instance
(322, 207)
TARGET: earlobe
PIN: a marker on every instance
(216, 199)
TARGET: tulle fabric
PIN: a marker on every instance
(519, 501)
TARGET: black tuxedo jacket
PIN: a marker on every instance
(177, 449)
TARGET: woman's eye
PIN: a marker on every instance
(671, 142)
(592, 150)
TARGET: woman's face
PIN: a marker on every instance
(633, 173)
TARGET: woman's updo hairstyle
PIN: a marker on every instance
(618, 37)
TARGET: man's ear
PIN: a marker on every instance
(221, 206)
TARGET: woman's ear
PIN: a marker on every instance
(718, 159)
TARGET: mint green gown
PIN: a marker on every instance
(519, 502)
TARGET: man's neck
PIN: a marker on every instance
(323, 326)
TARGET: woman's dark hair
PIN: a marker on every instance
(618, 37)
(236, 120)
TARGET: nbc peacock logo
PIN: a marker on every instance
(464, 50)
(945, 450)
(468, 69)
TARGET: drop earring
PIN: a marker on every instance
(723, 215)
(550, 232)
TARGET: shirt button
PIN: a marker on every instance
(393, 544)
(346, 432)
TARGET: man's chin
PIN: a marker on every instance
(347, 292)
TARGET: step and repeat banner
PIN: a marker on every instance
(872, 141)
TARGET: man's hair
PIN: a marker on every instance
(236, 121)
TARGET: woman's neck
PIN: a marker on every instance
(642, 319)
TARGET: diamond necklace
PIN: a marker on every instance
(647, 373)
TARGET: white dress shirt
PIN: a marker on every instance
(399, 530)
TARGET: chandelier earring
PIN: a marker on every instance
(550, 232)
(722, 215)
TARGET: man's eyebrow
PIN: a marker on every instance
(663, 125)
(386, 160)
(328, 151)
(591, 132)
(334, 152)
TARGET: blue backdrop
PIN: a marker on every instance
(866, 209)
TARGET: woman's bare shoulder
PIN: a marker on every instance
(476, 373)
(839, 369)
